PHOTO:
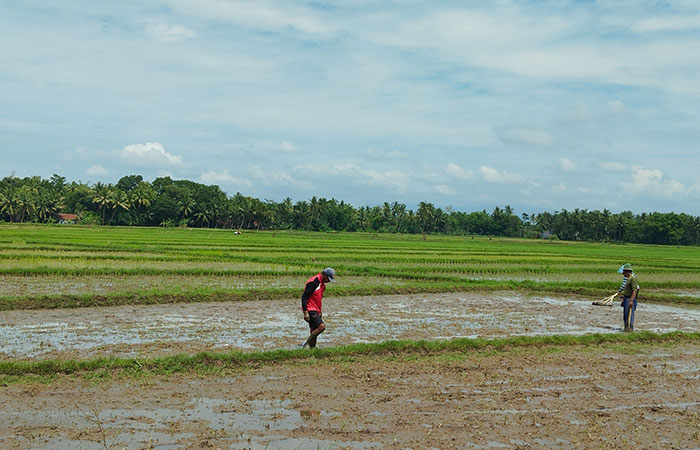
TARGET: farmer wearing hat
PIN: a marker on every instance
(311, 304)
(628, 291)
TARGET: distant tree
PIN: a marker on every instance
(48, 203)
(129, 182)
(186, 206)
(117, 200)
(8, 203)
(168, 202)
(101, 197)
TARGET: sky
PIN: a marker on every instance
(540, 105)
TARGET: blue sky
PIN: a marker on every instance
(542, 105)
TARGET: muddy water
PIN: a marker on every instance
(264, 325)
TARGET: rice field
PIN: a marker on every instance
(526, 355)
(46, 266)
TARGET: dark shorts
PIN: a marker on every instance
(315, 320)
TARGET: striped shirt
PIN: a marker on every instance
(622, 286)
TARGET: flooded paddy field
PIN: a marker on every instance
(160, 330)
(632, 393)
(599, 396)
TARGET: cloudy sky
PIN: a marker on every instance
(542, 105)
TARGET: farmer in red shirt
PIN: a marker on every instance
(311, 304)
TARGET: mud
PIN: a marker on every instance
(594, 397)
(160, 330)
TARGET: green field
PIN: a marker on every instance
(46, 266)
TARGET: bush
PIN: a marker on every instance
(90, 218)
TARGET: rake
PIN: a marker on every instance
(607, 301)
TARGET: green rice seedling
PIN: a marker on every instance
(78, 266)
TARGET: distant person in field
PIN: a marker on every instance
(311, 301)
(628, 290)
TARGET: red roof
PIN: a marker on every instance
(61, 216)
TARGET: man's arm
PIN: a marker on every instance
(622, 286)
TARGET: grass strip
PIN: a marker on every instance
(17, 371)
(591, 291)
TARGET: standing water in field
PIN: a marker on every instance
(158, 330)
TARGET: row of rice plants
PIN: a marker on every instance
(73, 259)
(24, 287)
(427, 256)
(449, 262)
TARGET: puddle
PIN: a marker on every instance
(653, 406)
(130, 440)
(564, 378)
(265, 423)
(158, 330)
(309, 444)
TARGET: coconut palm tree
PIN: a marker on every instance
(100, 196)
(26, 201)
(186, 206)
(48, 204)
(142, 196)
(8, 203)
(118, 199)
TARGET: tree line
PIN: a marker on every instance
(170, 203)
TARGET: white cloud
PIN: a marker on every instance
(561, 187)
(96, 171)
(491, 175)
(532, 44)
(510, 39)
(396, 180)
(288, 147)
(459, 172)
(652, 181)
(567, 165)
(168, 33)
(148, 155)
(223, 178)
(525, 135)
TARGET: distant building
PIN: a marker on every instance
(546, 235)
(67, 218)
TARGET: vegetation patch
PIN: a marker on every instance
(53, 266)
(208, 362)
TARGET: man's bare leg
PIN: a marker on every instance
(311, 341)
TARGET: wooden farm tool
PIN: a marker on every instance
(607, 301)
